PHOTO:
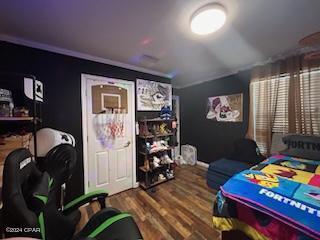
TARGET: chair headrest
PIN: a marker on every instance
(18, 167)
(48, 138)
(60, 163)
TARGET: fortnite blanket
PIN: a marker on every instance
(283, 187)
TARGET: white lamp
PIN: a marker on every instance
(208, 19)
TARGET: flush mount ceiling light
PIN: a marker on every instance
(208, 19)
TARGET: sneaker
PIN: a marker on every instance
(154, 147)
(156, 162)
(167, 159)
(164, 144)
(161, 177)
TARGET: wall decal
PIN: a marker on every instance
(152, 96)
(227, 108)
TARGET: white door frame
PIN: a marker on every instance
(177, 99)
(84, 78)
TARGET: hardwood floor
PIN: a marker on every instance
(179, 209)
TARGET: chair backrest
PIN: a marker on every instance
(19, 176)
(23, 183)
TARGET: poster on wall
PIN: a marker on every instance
(227, 108)
(152, 96)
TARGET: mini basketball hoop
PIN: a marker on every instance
(109, 126)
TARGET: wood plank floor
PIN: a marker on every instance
(179, 209)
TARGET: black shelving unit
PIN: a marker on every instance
(35, 106)
(149, 175)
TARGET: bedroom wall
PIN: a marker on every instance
(61, 76)
(213, 140)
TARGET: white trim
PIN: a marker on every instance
(202, 164)
(177, 99)
(84, 131)
(84, 78)
(50, 48)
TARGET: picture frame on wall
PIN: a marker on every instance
(152, 96)
(228, 108)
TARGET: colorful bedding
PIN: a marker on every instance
(277, 199)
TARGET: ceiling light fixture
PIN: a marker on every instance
(208, 19)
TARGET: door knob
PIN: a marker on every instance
(127, 144)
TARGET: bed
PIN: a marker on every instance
(276, 199)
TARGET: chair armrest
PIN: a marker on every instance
(99, 195)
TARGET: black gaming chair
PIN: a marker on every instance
(60, 163)
(30, 210)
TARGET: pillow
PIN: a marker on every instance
(302, 146)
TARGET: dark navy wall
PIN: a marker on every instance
(213, 140)
(61, 76)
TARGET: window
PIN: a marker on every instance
(310, 101)
(271, 101)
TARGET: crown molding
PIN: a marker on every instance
(50, 48)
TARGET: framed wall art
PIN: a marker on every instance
(152, 96)
(228, 108)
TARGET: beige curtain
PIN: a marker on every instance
(303, 100)
(265, 106)
(302, 104)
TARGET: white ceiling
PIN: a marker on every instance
(123, 30)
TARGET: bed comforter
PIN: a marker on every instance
(277, 199)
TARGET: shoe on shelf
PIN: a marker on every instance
(144, 131)
(171, 174)
(168, 159)
(158, 146)
(162, 160)
(148, 146)
(163, 143)
(154, 147)
(161, 177)
(156, 162)
(163, 128)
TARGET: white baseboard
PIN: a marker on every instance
(136, 184)
(202, 164)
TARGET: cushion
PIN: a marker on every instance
(217, 177)
(221, 170)
(227, 166)
(214, 185)
(302, 146)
